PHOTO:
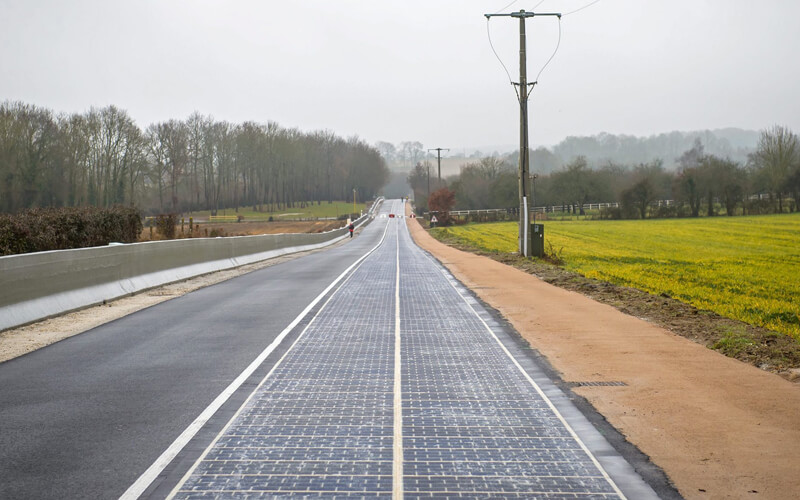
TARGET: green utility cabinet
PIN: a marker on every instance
(537, 240)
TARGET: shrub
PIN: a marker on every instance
(610, 213)
(554, 255)
(42, 229)
(664, 212)
(165, 225)
(441, 202)
(759, 207)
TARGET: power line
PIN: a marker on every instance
(515, 1)
(509, 5)
(584, 7)
(558, 44)
(489, 36)
(553, 55)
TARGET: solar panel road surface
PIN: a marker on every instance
(401, 385)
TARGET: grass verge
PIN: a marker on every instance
(758, 346)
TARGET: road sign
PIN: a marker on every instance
(434, 219)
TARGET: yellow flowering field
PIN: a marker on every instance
(746, 268)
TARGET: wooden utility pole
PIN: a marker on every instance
(524, 162)
(428, 168)
(524, 150)
(439, 158)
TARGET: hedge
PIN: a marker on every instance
(42, 229)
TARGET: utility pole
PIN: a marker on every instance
(428, 168)
(524, 150)
(439, 158)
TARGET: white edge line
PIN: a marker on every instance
(532, 382)
(148, 476)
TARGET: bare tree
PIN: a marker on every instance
(197, 130)
(689, 185)
(158, 158)
(28, 135)
(776, 156)
(729, 181)
(411, 152)
(387, 150)
(648, 186)
(174, 138)
(573, 183)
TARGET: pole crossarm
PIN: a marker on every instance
(524, 14)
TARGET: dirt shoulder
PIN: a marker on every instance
(718, 427)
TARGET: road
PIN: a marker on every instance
(391, 381)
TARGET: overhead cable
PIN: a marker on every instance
(584, 7)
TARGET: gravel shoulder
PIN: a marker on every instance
(717, 426)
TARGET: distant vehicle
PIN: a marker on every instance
(391, 216)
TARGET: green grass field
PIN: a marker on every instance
(334, 209)
(746, 268)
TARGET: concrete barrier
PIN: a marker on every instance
(44, 284)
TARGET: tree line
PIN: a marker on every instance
(701, 184)
(102, 158)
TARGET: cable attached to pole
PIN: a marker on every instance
(489, 35)
(558, 44)
(500, 60)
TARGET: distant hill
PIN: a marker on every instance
(599, 150)
(603, 148)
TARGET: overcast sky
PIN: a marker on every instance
(410, 69)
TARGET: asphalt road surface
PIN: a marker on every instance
(365, 371)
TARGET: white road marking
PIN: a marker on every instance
(152, 472)
(397, 466)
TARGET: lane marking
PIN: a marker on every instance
(148, 476)
(533, 383)
(397, 466)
